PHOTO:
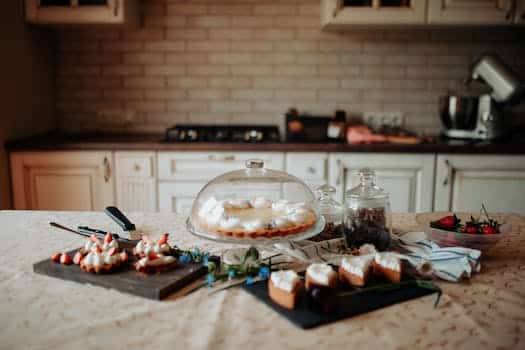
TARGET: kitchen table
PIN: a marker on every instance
(42, 312)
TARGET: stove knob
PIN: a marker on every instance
(192, 135)
(253, 136)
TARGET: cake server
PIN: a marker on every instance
(129, 228)
(86, 232)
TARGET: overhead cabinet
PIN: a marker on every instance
(337, 14)
(66, 12)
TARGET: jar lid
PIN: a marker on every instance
(367, 188)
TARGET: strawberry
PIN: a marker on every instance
(108, 238)
(112, 251)
(98, 250)
(56, 257)
(124, 256)
(163, 239)
(152, 256)
(470, 229)
(449, 223)
(78, 258)
(489, 230)
(65, 259)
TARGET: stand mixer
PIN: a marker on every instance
(481, 117)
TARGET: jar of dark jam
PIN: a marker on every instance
(367, 213)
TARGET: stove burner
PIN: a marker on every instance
(222, 133)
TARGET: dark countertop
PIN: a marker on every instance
(57, 141)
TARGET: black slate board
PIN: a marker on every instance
(126, 279)
(305, 317)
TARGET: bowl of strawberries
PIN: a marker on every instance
(465, 230)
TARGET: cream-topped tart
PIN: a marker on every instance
(154, 256)
(256, 217)
(146, 245)
(100, 256)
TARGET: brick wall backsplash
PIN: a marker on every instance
(239, 61)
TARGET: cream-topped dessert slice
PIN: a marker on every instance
(283, 288)
(321, 275)
(355, 270)
(388, 265)
(286, 280)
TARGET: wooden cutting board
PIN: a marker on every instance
(126, 279)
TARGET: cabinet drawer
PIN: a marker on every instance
(135, 164)
(178, 197)
(192, 166)
(310, 167)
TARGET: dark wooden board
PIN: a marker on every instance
(304, 316)
(126, 279)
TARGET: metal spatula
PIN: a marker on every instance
(129, 228)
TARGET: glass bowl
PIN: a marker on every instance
(255, 204)
(444, 238)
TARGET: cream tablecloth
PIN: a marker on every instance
(42, 312)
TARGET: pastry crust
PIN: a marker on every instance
(282, 297)
(152, 269)
(392, 275)
(352, 279)
(311, 282)
(100, 269)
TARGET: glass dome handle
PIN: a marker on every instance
(254, 163)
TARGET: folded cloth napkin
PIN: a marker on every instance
(426, 257)
(448, 263)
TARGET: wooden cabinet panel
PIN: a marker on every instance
(136, 181)
(470, 12)
(520, 12)
(335, 15)
(464, 182)
(408, 178)
(62, 180)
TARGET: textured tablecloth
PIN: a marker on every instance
(42, 312)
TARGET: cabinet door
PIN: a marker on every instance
(336, 13)
(470, 12)
(82, 11)
(464, 182)
(135, 179)
(409, 179)
(177, 197)
(62, 180)
(520, 12)
(311, 167)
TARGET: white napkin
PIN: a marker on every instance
(448, 263)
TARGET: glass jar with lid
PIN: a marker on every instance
(332, 211)
(255, 204)
(367, 213)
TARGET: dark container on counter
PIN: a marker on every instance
(367, 213)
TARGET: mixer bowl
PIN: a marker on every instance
(458, 111)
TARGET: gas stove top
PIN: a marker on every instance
(222, 133)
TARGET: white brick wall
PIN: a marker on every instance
(234, 61)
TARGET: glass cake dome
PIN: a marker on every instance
(255, 204)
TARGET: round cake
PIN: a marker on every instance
(255, 218)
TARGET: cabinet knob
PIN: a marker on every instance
(311, 170)
(136, 167)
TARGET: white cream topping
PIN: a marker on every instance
(161, 260)
(357, 265)
(285, 280)
(253, 225)
(280, 205)
(321, 273)
(297, 217)
(388, 260)
(146, 247)
(280, 222)
(216, 215)
(237, 204)
(261, 202)
(367, 249)
(207, 207)
(108, 246)
(229, 223)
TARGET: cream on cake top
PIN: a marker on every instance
(145, 247)
(158, 261)
(253, 215)
(321, 273)
(285, 280)
(357, 265)
(388, 260)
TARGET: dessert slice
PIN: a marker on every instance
(321, 275)
(156, 263)
(283, 288)
(355, 270)
(387, 265)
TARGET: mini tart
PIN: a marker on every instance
(387, 265)
(154, 263)
(95, 254)
(103, 268)
(355, 271)
(286, 298)
(320, 275)
(161, 246)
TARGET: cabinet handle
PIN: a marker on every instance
(449, 169)
(223, 159)
(340, 171)
(107, 170)
(311, 170)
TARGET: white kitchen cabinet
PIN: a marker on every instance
(464, 182)
(74, 180)
(60, 12)
(183, 174)
(408, 178)
(311, 167)
(136, 181)
(336, 13)
(477, 12)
